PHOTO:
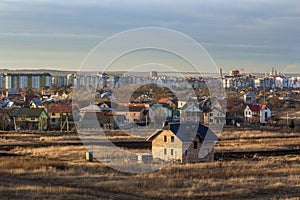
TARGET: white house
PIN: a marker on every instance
(214, 117)
(191, 112)
(216, 114)
(257, 113)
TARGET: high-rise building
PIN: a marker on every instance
(24, 80)
(59, 81)
(2, 81)
(71, 79)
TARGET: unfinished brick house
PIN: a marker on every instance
(183, 142)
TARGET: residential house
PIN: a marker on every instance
(35, 103)
(95, 116)
(217, 113)
(191, 112)
(134, 113)
(30, 118)
(159, 113)
(183, 142)
(12, 94)
(250, 98)
(61, 115)
(167, 101)
(257, 114)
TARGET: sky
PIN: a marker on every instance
(250, 34)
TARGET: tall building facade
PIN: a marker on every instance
(23, 80)
(2, 81)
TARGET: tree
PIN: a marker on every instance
(275, 102)
(4, 120)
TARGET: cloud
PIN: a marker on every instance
(233, 30)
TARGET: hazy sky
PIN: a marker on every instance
(251, 34)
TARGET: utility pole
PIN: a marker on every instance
(264, 90)
(67, 124)
(15, 125)
(61, 123)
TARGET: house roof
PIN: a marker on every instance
(187, 131)
(157, 105)
(264, 106)
(163, 100)
(129, 108)
(254, 108)
(106, 94)
(257, 108)
(12, 91)
(221, 102)
(60, 108)
(133, 104)
(188, 106)
(250, 94)
(94, 108)
(28, 112)
(36, 102)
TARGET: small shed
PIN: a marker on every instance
(145, 158)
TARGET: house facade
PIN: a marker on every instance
(95, 117)
(257, 114)
(159, 113)
(216, 115)
(61, 115)
(167, 101)
(191, 112)
(30, 119)
(250, 98)
(134, 113)
(183, 142)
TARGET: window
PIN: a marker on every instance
(165, 138)
(165, 151)
(53, 119)
(172, 152)
(266, 115)
(211, 114)
(53, 114)
(195, 145)
(172, 138)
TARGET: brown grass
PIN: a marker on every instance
(61, 172)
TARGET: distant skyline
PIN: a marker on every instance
(250, 34)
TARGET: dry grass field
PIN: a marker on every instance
(55, 168)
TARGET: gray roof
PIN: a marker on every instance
(187, 131)
(28, 112)
(250, 94)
